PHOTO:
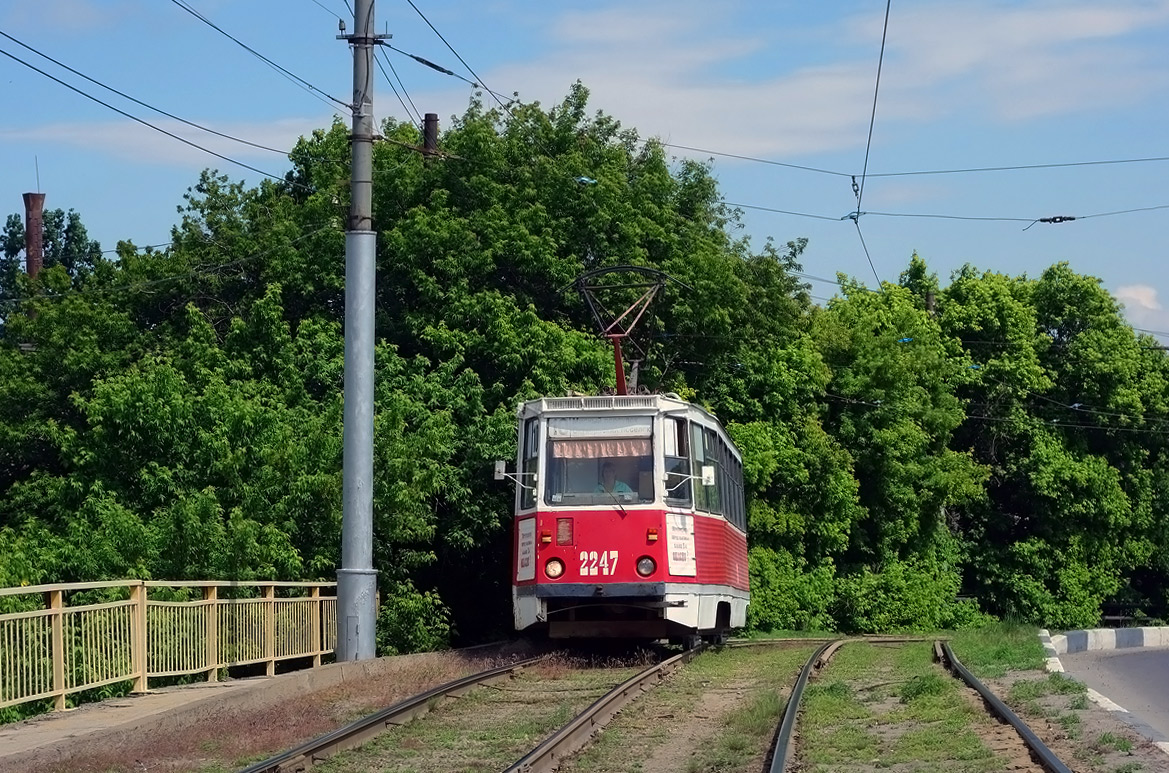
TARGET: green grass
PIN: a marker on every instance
(1071, 724)
(735, 738)
(938, 743)
(925, 684)
(993, 651)
(887, 707)
(786, 634)
(1053, 684)
(1112, 742)
(849, 743)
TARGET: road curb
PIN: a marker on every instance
(1107, 639)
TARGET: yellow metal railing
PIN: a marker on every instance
(77, 636)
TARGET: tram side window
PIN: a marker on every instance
(676, 450)
(530, 460)
(735, 506)
(701, 492)
(741, 499)
(714, 494)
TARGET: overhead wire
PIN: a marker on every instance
(140, 102)
(427, 63)
(142, 121)
(917, 172)
(1036, 420)
(860, 189)
(415, 116)
(284, 71)
(459, 57)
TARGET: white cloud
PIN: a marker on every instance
(132, 141)
(664, 69)
(1142, 306)
(1143, 297)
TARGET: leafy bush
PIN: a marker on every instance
(411, 621)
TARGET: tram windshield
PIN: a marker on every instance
(598, 460)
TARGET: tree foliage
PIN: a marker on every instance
(913, 453)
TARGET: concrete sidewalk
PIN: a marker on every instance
(1106, 639)
(50, 736)
(47, 740)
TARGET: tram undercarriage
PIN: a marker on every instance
(596, 611)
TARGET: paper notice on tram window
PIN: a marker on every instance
(525, 567)
(680, 532)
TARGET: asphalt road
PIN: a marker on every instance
(1137, 679)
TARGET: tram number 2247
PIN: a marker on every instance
(593, 563)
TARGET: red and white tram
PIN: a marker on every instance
(630, 520)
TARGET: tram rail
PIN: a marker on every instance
(783, 748)
(546, 757)
(359, 732)
(1039, 750)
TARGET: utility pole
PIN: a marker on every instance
(356, 579)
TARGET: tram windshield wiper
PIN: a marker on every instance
(616, 501)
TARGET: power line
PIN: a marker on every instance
(119, 111)
(860, 190)
(186, 7)
(752, 158)
(1021, 167)
(911, 173)
(782, 211)
(140, 102)
(415, 116)
(457, 56)
(954, 217)
(865, 247)
(1036, 421)
(1125, 211)
(427, 63)
(326, 10)
(873, 117)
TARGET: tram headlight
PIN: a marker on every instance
(646, 566)
(554, 568)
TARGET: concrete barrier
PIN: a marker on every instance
(1107, 639)
(1103, 639)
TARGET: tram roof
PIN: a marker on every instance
(623, 403)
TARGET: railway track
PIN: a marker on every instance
(565, 737)
(546, 756)
(782, 755)
(357, 733)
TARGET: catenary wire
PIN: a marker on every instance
(457, 56)
(413, 116)
(287, 73)
(860, 189)
(873, 117)
(916, 172)
(144, 122)
(140, 102)
(752, 158)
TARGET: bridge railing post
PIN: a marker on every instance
(269, 592)
(57, 604)
(211, 630)
(139, 637)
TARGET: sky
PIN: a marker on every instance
(1057, 84)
